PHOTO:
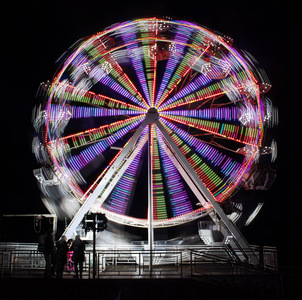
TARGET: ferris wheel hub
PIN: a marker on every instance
(152, 115)
(152, 110)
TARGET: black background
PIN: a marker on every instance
(35, 33)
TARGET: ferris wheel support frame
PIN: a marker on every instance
(150, 201)
(239, 240)
(86, 206)
(195, 190)
(186, 171)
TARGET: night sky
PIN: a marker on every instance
(33, 36)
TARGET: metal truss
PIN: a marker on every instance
(94, 201)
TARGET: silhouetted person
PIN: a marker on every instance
(47, 247)
(78, 248)
(70, 264)
(61, 259)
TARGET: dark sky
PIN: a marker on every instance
(34, 35)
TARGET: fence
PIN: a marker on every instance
(140, 263)
(168, 262)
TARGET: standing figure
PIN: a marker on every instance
(78, 248)
(47, 247)
(70, 265)
(62, 249)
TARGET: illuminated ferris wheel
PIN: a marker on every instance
(154, 122)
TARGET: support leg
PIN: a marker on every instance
(239, 239)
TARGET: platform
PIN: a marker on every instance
(127, 274)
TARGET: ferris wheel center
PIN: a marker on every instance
(152, 115)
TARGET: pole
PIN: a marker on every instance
(150, 199)
(94, 246)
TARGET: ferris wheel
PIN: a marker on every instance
(154, 122)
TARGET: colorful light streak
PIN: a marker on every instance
(182, 35)
(86, 156)
(119, 200)
(134, 54)
(159, 199)
(241, 134)
(65, 92)
(178, 196)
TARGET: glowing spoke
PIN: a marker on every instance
(141, 142)
(211, 154)
(63, 90)
(179, 199)
(120, 82)
(134, 52)
(241, 134)
(209, 177)
(185, 66)
(232, 86)
(119, 200)
(92, 135)
(176, 49)
(86, 156)
(204, 159)
(105, 69)
(150, 58)
(230, 114)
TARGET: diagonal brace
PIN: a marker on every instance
(240, 240)
(86, 206)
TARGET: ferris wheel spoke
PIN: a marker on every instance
(176, 49)
(59, 113)
(104, 69)
(135, 53)
(188, 94)
(109, 72)
(233, 86)
(184, 67)
(179, 199)
(214, 180)
(229, 114)
(225, 165)
(239, 133)
(117, 168)
(86, 156)
(63, 90)
(81, 112)
(119, 81)
(121, 196)
(90, 136)
(150, 59)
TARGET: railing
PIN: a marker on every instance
(167, 262)
(140, 263)
(19, 263)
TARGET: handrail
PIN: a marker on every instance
(15, 259)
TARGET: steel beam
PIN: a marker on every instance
(150, 198)
(69, 231)
(240, 240)
(193, 188)
(117, 176)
